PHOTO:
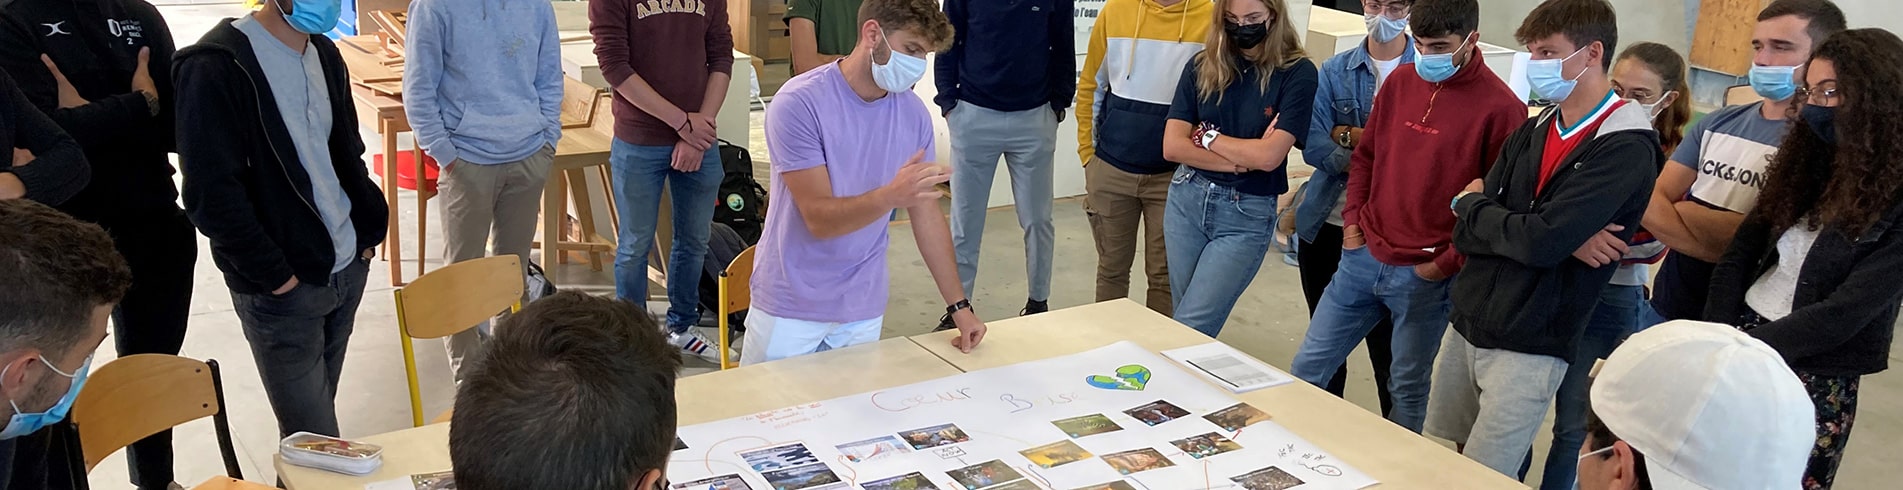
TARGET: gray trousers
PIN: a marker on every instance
(490, 206)
(1027, 140)
(298, 340)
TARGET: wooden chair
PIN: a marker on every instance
(137, 396)
(452, 299)
(735, 294)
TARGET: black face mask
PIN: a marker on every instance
(1822, 121)
(1246, 36)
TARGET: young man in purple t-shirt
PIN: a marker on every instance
(850, 144)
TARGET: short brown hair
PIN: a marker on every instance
(1581, 21)
(922, 17)
(57, 269)
(575, 392)
(1823, 17)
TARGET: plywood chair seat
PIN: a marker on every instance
(450, 300)
(137, 396)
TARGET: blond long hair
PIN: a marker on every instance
(1216, 65)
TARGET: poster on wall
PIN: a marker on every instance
(1118, 417)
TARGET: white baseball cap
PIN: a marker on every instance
(1709, 407)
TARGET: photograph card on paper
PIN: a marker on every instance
(873, 449)
(1115, 485)
(984, 474)
(934, 436)
(801, 478)
(722, 482)
(442, 480)
(1088, 425)
(779, 457)
(1205, 445)
(1237, 416)
(1270, 478)
(908, 481)
(1157, 412)
(1056, 454)
(1137, 461)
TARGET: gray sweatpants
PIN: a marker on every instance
(479, 199)
(1491, 400)
(1027, 140)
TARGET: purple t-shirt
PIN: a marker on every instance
(817, 120)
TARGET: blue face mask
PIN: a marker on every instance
(313, 17)
(1436, 68)
(24, 423)
(1548, 77)
(1776, 83)
(1383, 28)
(1822, 121)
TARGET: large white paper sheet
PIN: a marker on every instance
(1118, 417)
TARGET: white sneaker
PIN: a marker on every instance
(693, 342)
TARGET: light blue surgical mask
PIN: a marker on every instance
(1548, 77)
(1383, 28)
(312, 17)
(23, 423)
(1436, 68)
(1776, 83)
(900, 72)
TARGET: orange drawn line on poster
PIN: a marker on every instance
(1032, 469)
(854, 479)
(710, 448)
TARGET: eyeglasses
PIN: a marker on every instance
(1392, 9)
(1252, 19)
(1824, 94)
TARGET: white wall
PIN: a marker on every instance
(1659, 21)
(1069, 178)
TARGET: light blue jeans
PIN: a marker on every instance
(1027, 140)
(1215, 239)
(639, 173)
(1616, 315)
(1363, 292)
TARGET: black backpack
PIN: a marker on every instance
(742, 204)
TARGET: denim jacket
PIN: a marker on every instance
(1343, 97)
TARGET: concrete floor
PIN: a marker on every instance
(1268, 322)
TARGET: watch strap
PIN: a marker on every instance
(963, 304)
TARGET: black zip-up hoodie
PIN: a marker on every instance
(96, 45)
(1843, 315)
(1522, 290)
(244, 185)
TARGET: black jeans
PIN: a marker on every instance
(299, 339)
(162, 250)
(1319, 260)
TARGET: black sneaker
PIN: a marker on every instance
(1034, 307)
(945, 323)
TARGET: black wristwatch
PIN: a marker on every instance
(1346, 140)
(963, 304)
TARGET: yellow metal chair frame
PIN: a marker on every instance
(140, 395)
(735, 294)
(450, 300)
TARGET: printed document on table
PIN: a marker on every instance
(1229, 367)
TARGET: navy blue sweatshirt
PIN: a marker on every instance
(1008, 55)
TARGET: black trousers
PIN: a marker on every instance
(1319, 260)
(161, 247)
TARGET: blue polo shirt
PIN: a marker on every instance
(1245, 109)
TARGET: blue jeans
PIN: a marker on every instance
(1648, 317)
(639, 173)
(1615, 317)
(1361, 293)
(1215, 239)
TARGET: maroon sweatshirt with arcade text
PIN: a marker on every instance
(1423, 144)
(674, 45)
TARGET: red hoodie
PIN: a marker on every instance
(1424, 143)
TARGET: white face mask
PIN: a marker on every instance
(1383, 28)
(1653, 109)
(900, 72)
(1583, 457)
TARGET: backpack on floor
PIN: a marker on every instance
(723, 245)
(742, 204)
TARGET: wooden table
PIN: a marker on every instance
(702, 398)
(1392, 455)
(385, 113)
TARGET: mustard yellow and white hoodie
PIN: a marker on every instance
(1137, 53)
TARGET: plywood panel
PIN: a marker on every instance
(1722, 41)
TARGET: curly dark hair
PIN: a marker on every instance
(1849, 185)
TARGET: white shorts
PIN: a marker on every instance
(771, 338)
